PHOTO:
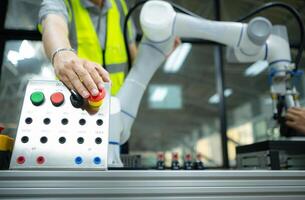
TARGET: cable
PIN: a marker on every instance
(297, 16)
(131, 10)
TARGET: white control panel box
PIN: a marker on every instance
(53, 134)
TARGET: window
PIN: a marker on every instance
(23, 60)
(175, 114)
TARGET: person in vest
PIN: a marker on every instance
(84, 41)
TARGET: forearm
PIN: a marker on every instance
(54, 34)
(80, 74)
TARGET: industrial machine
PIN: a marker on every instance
(49, 108)
(272, 155)
(161, 24)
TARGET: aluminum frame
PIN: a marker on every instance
(151, 184)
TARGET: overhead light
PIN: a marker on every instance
(176, 59)
(13, 57)
(215, 99)
(164, 96)
(25, 51)
(228, 92)
(159, 94)
(256, 68)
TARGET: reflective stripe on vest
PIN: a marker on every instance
(88, 45)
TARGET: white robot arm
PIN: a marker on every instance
(249, 42)
(258, 40)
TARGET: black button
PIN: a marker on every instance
(64, 121)
(24, 139)
(98, 140)
(46, 121)
(80, 140)
(77, 101)
(82, 122)
(62, 140)
(28, 120)
(99, 122)
(43, 139)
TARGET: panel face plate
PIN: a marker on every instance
(61, 136)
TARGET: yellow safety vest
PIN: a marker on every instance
(88, 45)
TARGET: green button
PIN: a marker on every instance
(37, 98)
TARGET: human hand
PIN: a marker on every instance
(295, 118)
(84, 76)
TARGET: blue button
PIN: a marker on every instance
(78, 160)
(97, 160)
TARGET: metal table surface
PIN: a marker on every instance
(150, 184)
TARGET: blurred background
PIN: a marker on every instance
(181, 110)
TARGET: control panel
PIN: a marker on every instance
(53, 133)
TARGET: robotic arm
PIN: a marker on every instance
(258, 40)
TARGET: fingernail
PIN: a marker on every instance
(85, 94)
(100, 86)
(94, 92)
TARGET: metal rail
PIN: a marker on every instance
(152, 184)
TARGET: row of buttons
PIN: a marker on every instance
(57, 98)
(41, 160)
(79, 160)
(64, 121)
(21, 160)
(61, 140)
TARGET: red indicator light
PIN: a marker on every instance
(160, 156)
(188, 157)
(40, 160)
(175, 156)
(20, 160)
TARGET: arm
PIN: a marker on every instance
(69, 68)
(54, 25)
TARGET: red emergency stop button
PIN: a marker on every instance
(57, 98)
(96, 101)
